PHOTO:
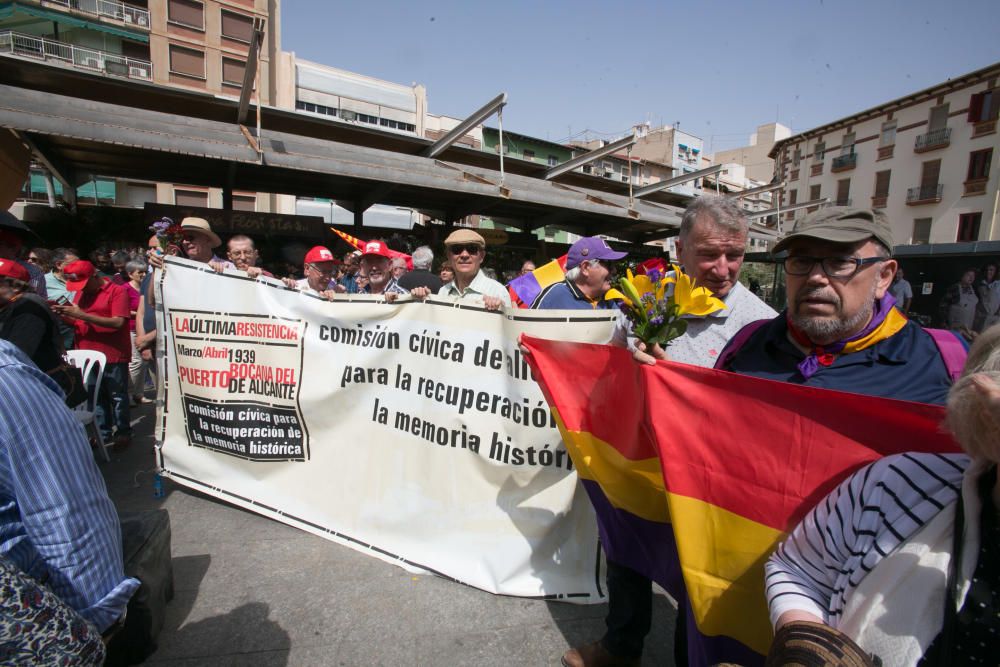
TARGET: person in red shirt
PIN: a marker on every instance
(100, 316)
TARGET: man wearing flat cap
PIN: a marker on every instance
(589, 270)
(466, 250)
(840, 330)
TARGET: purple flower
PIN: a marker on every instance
(654, 275)
(161, 226)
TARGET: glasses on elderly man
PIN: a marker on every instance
(833, 267)
(458, 249)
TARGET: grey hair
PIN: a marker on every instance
(973, 418)
(721, 211)
(240, 238)
(59, 255)
(135, 265)
(423, 258)
(572, 274)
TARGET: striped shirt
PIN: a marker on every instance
(861, 522)
(56, 521)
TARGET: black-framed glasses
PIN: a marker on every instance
(833, 267)
(471, 248)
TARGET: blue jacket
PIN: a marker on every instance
(564, 295)
(906, 366)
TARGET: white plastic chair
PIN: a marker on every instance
(90, 361)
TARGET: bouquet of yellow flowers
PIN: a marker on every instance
(658, 318)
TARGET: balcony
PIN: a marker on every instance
(885, 152)
(816, 169)
(932, 140)
(794, 175)
(844, 162)
(108, 9)
(880, 201)
(975, 186)
(925, 194)
(842, 201)
(984, 127)
(29, 46)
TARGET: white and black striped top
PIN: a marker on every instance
(857, 525)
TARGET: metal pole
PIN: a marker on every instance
(260, 139)
(500, 145)
(628, 156)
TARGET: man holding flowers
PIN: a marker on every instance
(706, 305)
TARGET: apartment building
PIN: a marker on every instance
(194, 44)
(754, 157)
(925, 159)
(669, 146)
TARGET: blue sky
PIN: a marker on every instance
(718, 68)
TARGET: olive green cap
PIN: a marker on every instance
(840, 224)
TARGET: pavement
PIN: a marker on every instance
(253, 591)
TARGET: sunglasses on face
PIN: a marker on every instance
(470, 248)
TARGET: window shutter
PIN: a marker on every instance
(975, 107)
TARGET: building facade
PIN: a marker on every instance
(194, 44)
(754, 157)
(925, 159)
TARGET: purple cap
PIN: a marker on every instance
(590, 247)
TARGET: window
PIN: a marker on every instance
(315, 108)
(847, 145)
(882, 183)
(587, 169)
(979, 164)
(793, 197)
(232, 71)
(187, 61)
(968, 226)
(528, 154)
(190, 198)
(814, 191)
(938, 119)
(888, 136)
(244, 202)
(396, 125)
(237, 26)
(844, 192)
(930, 171)
(796, 157)
(189, 13)
(819, 152)
(984, 106)
(553, 160)
(921, 231)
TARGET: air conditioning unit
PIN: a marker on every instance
(91, 62)
(142, 20)
(348, 115)
(129, 18)
(138, 72)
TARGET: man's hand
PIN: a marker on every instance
(338, 288)
(218, 267)
(145, 341)
(147, 354)
(493, 303)
(69, 310)
(391, 296)
(328, 294)
(156, 259)
(290, 282)
(254, 272)
(650, 356)
(420, 293)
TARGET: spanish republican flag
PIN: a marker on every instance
(696, 474)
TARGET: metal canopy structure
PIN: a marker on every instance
(79, 137)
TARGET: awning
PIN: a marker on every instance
(7, 9)
(105, 187)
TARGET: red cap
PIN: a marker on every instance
(77, 274)
(319, 254)
(376, 248)
(9, 268)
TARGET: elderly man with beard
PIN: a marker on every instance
(840, 330)
(376, 265)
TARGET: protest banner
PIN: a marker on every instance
(410, 431)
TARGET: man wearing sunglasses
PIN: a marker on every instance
(840, 330)
(466, 250)
(589, 269)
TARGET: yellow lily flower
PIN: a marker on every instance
(692, 300)
(642, 284)
(615, 294)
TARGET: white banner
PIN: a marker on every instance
(410, 431)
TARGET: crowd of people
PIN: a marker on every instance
(844, 329)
